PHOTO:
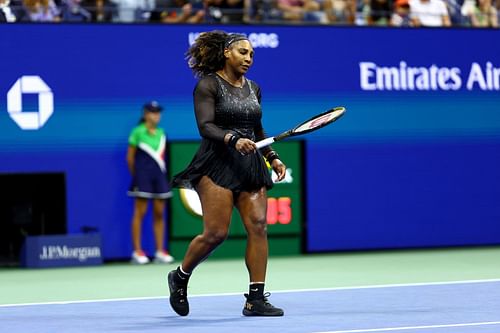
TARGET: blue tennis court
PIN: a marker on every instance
(458, 307)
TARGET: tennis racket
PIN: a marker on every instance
(315, 123)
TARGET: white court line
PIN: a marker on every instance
(419, 284)
(396, 285)
(83, 301)
(406, 328)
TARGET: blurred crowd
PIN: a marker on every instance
(409, 13)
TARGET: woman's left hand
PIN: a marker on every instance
(280, 169)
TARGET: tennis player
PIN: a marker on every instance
(228, 170)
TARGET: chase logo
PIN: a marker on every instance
(30, 120)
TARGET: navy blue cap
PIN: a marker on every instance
(153, 106)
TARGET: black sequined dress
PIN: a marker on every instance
(221, 108)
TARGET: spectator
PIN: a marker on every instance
(41, 11)
(263, 11)
(362, 12)
(429, 13)
(380, 12)
(225, 11)
(483, 15)
(340, 11)
(100, 10)
(497, 7)
(182, 11)
(134, 10)
(401, 14)
(454, 12)
(17, 8)
(6, 13)
(300, 10)
(72, 11)
(145, 11)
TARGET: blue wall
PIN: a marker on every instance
(414, 163)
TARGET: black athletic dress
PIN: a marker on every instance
(221, 108)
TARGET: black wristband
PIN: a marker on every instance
(232, 140)
(271, 156)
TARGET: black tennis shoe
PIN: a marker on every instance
(178, 295)
(261, 307)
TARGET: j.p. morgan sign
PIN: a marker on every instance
(62, 250)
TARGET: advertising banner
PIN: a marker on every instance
(62, 251)
(413, 163)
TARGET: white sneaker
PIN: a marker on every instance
(139, 257)
(163, 257)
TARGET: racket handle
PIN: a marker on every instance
(265, 142)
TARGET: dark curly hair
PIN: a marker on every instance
(206, 54)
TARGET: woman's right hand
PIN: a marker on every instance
(245, 146)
